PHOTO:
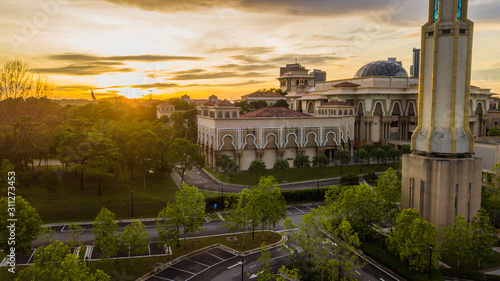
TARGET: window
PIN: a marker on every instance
(394, 124)
(436, 10)
(394, 136)
(305, 82)
(219, 115)
(456, 201)
(459, 9)
(296, 82)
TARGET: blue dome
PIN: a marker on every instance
(382, 68)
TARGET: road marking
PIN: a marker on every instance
(381, 279)
(198, 263)
(234, 265)
(63, 227)
(215, 256)
(253, 265)
(299, 210)
(176, 268)
(255, 275)
(357, 272)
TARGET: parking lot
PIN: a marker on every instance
(193, 265)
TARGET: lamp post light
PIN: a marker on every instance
(430, 260)
(132, 201)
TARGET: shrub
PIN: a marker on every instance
(349, 179)
(370, 176)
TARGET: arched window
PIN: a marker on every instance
(219, 115)
(296, 82)
(305, 82)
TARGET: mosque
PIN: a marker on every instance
(378, 105)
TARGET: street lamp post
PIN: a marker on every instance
(430, 260)
(132, 201)
(242, 268)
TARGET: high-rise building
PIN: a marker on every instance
(415, 67)
(441, 178)
(319, 75)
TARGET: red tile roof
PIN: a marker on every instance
(209, 103)
(337, 102)
(274, 112)
(346, 84)
(263, 94)
(225, 103)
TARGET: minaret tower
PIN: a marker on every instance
(441, 178)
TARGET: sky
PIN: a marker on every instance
(168, 48)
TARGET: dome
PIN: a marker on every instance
(382, 68)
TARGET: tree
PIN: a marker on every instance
(46, 235)
(415, 239)
(168, 225)
(405, 149)
(185, 155)
(236, 218)
(320, 160)
(343, 156)
(257, 168)
(483, 236)
(135, 238)
(394, 154)
(104, 227)
(457, 240)
(190, 204)
(369, 148)
(265, 258)
(103, 155)
(17, 81)
(144, 147)
(55, 262)
(49, 181)
(360, 156)
(281, 165)
(27, 226)
(74, 236)
(273, 90)
(347, 247)
(301, 162)
(379, 154)
(243, 105)
(388, 193)
(271, 203)
(5, 168)
(494, 131)
(258, 104)
(226, 164)
(358, 205)
(281, 103)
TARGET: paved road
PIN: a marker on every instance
(200, 179)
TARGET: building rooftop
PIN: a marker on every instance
(346, 84)
(263, 95)
(274, 112)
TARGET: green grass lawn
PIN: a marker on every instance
(214, 217)
(69, 203)
(294, 175)
(123, 267)
(492, 262)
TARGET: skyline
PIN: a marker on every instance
(227, 48)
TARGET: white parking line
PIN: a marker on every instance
(357, 272)
(381, 279)
(64, 225)
(215, 256)
(198, 263)
(176, 268)
(299, 210)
